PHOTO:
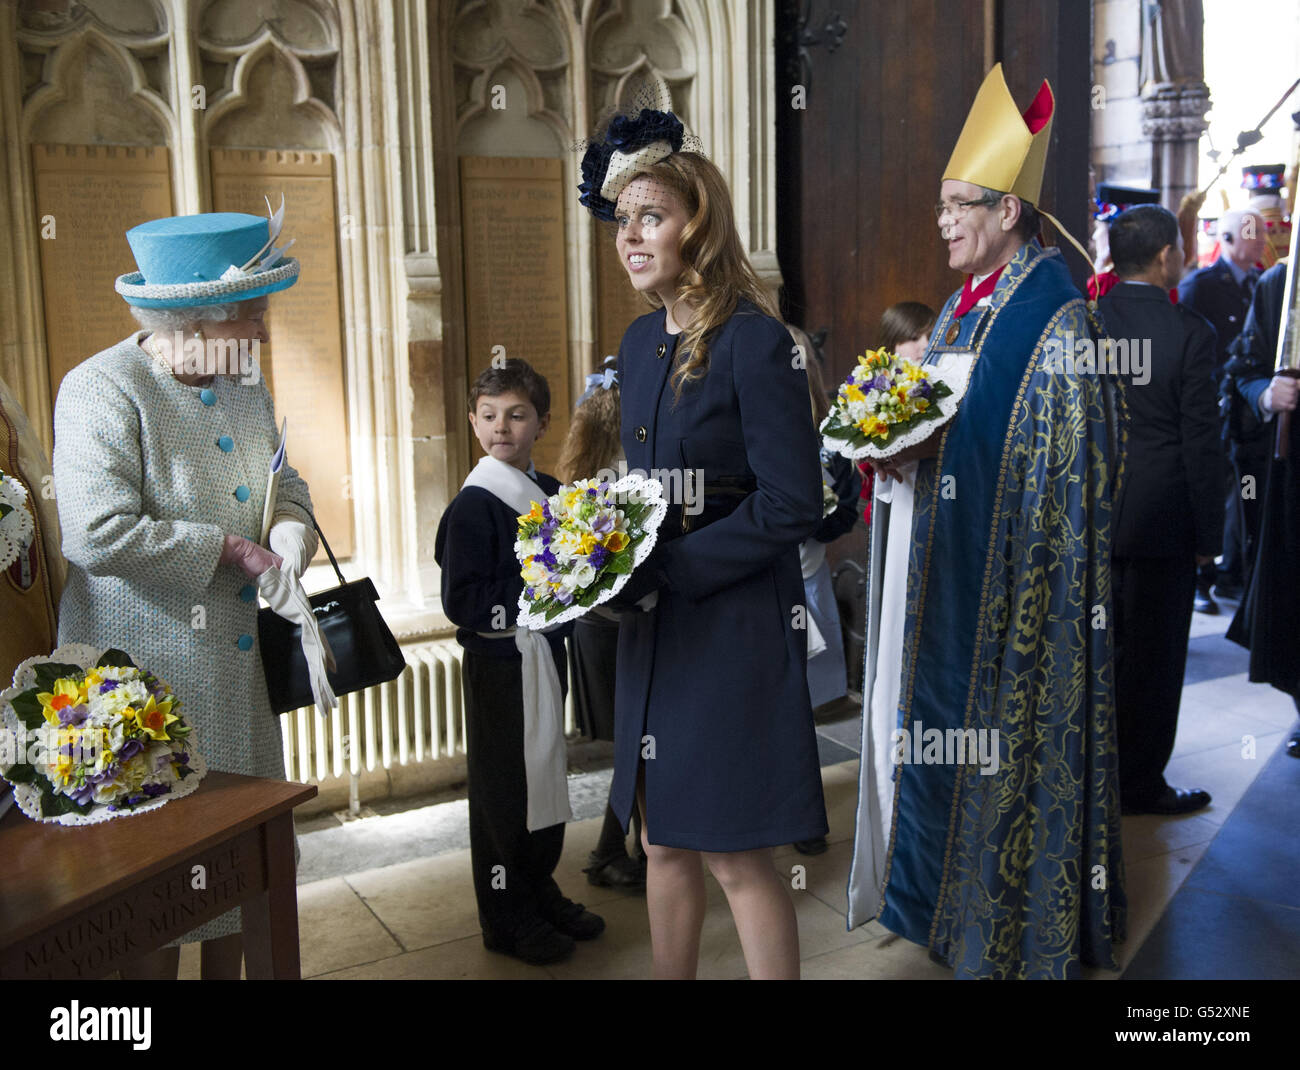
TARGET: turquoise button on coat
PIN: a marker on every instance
(242, 493)
(208, 396)
(247, 593)
(245, 642)
(225, 443)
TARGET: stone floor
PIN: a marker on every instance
(390, 895)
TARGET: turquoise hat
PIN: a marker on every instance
(206, 259)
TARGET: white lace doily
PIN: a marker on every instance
(653, 492)
(28, 796)
(16, 526)
(912, 437)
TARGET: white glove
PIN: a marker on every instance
(295, 542)
(284, 594)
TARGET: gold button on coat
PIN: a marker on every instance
(640, 434)
(661, 350)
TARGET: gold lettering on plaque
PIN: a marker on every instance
(513, 224)
(87, 198)
(304, 363)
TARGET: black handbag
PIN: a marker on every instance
(364, 649)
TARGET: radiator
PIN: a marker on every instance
(419, 717)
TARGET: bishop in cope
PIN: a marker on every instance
(1006, 869)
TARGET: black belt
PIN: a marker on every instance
(717, 499)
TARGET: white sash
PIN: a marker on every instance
(545, 755)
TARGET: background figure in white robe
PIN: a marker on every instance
(891, 540)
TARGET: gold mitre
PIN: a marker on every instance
(999, 148)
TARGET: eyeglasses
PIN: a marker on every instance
(957, 209)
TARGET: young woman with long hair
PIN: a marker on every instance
(714, 734)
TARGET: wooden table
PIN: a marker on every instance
(82, 901)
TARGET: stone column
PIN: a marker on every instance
(1175, 97)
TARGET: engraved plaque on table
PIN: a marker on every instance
(515, 298)
(304, 362)
(617, 303)
(87, 198)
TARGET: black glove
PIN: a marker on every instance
(647, 578)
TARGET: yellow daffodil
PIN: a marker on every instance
(854, 392)
(66, 693)
(616, 541)
(155, 717)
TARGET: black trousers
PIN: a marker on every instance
(512, 866)
(1153, 615)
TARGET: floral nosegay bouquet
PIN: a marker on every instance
(578, 548)
(87, 738)
(886, 405)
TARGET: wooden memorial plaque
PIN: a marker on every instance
(303, 364)
(87, 198)
(515, 296)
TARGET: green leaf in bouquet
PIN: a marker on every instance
(554, 610)
(119, 659)
(5, 510)
(28, 708)
(22, 773)
(49, 672)
(56, 805)
(620, 564)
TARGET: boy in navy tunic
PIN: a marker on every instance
(521, 908)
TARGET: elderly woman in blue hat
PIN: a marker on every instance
(162, 448)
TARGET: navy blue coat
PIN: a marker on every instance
(1213, 292)
(716, 672)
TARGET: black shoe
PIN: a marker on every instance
(1205, 603)
(536, 942)
(616, 871)
(1173, 801)
(1293, 746)
(574, 920)
(812, 847)
(1230, 591)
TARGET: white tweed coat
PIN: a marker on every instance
(147, 476)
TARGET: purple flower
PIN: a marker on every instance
(182, 758)
(880, 382)
(130, 749)
(110, 772)
(154, 790)
(921, 389)
(73, 714)
(108, 686)
(529, 593)
(547, 558)
(564, 597)
(591, 491)
(598, 557)
(603, 524)
(83, 794)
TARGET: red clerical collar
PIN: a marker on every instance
(968, 296)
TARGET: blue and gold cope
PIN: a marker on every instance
(1019, 873)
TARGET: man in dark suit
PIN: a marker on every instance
(1221, 293)
(1269, 618)
(1170, 518)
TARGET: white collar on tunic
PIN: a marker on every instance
(506, 481)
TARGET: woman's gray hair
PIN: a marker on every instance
(177, 319)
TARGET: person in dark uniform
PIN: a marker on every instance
(520, 906)
(714, 732)
(1169, 520)
(1221, 293)
(1268, 619)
